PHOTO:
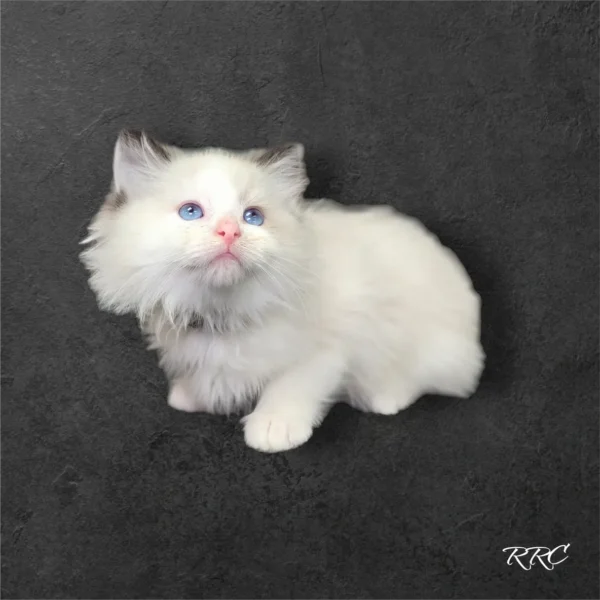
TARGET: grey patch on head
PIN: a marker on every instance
(135, 137)
(271, 156)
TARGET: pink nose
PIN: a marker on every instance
(229, 230)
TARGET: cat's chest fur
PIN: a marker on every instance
(229, 366)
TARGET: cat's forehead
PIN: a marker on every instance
(225, 178)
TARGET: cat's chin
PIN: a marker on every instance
(224, 272)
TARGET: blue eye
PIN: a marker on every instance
(253, 216)
(190, 211)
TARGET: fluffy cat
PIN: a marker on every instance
(247, 290)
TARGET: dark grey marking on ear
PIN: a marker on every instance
(115, 200)
(138, 161)
(271, 156)
(120, 200)
(286, 163)
(136, 137)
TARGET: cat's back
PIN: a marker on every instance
(364, 224)
(376, 255)
(381, 237)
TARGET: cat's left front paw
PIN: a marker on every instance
(271, 431)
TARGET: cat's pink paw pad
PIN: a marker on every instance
(274, 432)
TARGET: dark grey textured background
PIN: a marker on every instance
(482, 120)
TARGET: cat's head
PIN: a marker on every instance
(178, 222)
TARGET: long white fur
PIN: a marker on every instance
(326, 299)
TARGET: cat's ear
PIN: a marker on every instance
(137, 162)
(286, 164)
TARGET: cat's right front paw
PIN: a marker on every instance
(180, 399)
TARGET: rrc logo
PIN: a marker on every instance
(528, 557)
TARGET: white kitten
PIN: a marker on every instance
(247, 290)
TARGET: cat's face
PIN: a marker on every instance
(206, 218)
